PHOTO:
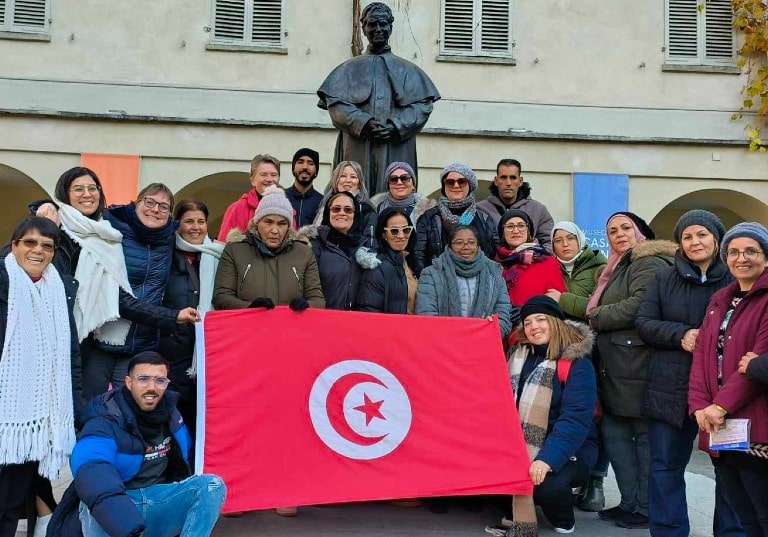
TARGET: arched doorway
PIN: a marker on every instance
(218, 191)
(17, 190)
(732, 207)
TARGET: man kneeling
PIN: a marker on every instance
(131, 464)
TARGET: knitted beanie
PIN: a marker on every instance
(641, 224)
(751, 230)
(699, 217)
(541, 304)
(274, 202)
(402, 166)
(306, 152)
(466, 171)
(512, 213)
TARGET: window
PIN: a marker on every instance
(476, 28)
(248, 24)
(24, 17)
(699, 32)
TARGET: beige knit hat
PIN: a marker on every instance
(274, 202)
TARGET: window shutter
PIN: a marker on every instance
(719, 30)
(29, 13)
(2, 12)
(229, 20)
(267, 22)
(458, 27)
(682, 29)
(495, 26)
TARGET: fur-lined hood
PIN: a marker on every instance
(573, 351)
(654, 248)
(367, 258)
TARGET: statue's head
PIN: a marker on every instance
(377, 20)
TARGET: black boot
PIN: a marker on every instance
(594, 497)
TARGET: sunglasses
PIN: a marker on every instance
(48, 247)
(395, 231)
(336, 209)
(461, 183)
(394, 179)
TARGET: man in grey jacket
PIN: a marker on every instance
(510, 191)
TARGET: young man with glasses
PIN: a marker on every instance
(132, 464)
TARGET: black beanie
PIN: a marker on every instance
(541, 304)
(641, 224)
(306, 152)
(512, 213)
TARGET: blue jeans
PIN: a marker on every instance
(626, 440)
(189, 508)
(671, 449)
(601, 465)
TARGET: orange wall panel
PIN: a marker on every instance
(119, 175)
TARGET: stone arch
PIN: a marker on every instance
(17, 190)
(731, 206)
(218, 191)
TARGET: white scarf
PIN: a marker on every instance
(210, 253)
(101, 273)
(36, 417)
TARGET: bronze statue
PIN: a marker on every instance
(378, 101)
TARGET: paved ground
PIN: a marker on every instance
(385, 520)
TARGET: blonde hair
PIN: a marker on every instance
(561, 335)
(337, 171)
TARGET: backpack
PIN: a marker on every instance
(563, 370)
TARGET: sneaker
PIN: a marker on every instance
(612, 514)
(632, 521)
(566, 530)
(500, 529)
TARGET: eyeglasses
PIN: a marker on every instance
(48, 247)
(394, 179)
(152, 203)
(515, 227)
(458, 243)
(145, 380)
(336, 209)
(461, 183)
(395, 231)
(82, 189)
(569, 239)
(750, 254)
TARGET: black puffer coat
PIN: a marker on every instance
(383, 285)
(339, 272)
(675, 302)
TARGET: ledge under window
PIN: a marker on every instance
(26, 36)
(262, 49)
(681, 68)
(476, 59)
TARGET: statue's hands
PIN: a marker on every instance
(382, 133)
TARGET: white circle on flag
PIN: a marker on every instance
(359, 409)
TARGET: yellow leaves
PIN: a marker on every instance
(750, 17)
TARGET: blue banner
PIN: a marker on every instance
(596, 196)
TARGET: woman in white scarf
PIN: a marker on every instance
(39, 367)
(193, 270)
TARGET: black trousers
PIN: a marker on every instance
(555, 494)
(745, 482)
(16, 482)
(100, 369)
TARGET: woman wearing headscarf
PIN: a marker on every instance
(190, 284)
(401, 192)
(456, 207)
(634, 259)
(670, 315)
(464, 283)
(735, 327)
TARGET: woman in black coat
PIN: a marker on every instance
(669, 318)
(388, 285)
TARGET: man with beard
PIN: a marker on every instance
(131, 465)
(303, 197)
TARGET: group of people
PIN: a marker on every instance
(618, 361)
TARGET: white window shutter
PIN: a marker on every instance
(495, 26)
(458, 26)
(2, 12)
(29, 14)
(229, 20)
(718, 20)
(682, 29)
(267, 22)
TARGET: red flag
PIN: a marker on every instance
(332, 406)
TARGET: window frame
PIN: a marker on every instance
(9, 30)
(477, 54)
(246, 44)
(678, 63)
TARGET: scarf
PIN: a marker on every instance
(210, 253)
(347, 242)
(517, 261)
(448, 268)
(406, 204)
(36, 416)
(152, 237)
(447, 209)
(151, 421)
(101, 273)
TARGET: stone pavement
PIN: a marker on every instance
(385, 520)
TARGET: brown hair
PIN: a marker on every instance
(190, 205)
(155, 188)
(264, 158)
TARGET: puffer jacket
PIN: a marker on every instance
(623, 356)
(675, 302)
(542, 220)
(432, 237)
(249, 270)
(581, 283)
(339, 272)
(383, 285)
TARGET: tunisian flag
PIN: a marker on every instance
(333, 406)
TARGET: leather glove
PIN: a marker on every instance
(298, 304)
(263, 302)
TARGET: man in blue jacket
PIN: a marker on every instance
(131, 465)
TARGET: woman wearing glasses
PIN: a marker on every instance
(456, 207)
(388, 284)
(463, 282)
(735, 326)
(401, 192)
